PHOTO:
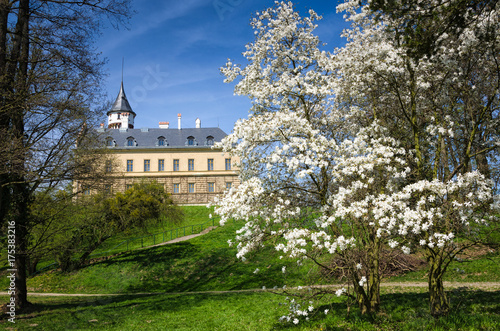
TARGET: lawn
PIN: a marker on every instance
(183, 277)
(473, 310)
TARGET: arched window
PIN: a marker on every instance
(190, 141)
(130, 141)
(161, 141)
(210, 141)
(110, 142)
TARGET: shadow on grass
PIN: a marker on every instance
(473, 310)
(183, 267)
(66, 313)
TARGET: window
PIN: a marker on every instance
(190, 164)
(176, 188)
(228, 164)
(176, 165)
(161, 165)
(190, 141)
(107, 189)
(210, 164)
(130, 165)
(161, 141)
(146, 165)
(118, 117)
(108, 167)
(128, 186)
(210, 141)
(110, 142)
(211, 187)
(191, 187)
(229, 185)
(130, 141)
(86, 190)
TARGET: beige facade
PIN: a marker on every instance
(190, 175)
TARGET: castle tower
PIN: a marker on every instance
(121, 115)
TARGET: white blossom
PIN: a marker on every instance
(313, 137)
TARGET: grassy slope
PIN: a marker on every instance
(194, 216)
(207, 263)
(204, 263)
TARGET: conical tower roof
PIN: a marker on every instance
(121, 103)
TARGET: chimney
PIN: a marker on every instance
(102, 125)
(179, 121)
(198, 123)
(164, 125)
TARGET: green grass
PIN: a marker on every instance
(207, 263)
(471, 310)
(204, 263)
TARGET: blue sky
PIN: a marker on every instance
(173, 51)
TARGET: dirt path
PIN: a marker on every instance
(207, 230)
(488, 286)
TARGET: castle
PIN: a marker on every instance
(182, 159)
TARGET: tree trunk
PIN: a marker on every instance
(482, 165)
(20, 216)
(374, 277)
(21, 191)
(439, 305)
(369, 299)
(361, 297)
(32, 263)
(83, 258)
(5, 196)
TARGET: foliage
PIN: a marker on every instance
(50, 211)
(141, 206)
(422, 24)
(75, 228)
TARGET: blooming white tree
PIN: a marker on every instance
(346, 153)
(443, 105)
(300, 155)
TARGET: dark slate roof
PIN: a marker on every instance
(174, 138)
(121, 103)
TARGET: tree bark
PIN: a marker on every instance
(374, 277)
(4, 116)
(20, 186)
(369, 299)
(438, 301)
(20, 216)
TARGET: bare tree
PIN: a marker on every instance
(49, 78)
